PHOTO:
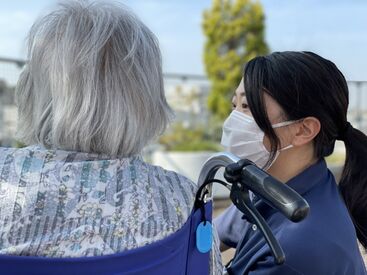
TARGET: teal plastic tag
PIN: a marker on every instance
(204, 237)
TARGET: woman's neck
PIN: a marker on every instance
(291, 163)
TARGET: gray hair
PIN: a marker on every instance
(93, 81)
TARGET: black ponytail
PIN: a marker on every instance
(305, 84)
(353, 183)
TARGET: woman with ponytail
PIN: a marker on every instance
(288, 111)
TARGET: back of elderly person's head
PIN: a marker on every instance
(93, 81)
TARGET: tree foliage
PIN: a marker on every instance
(234, 31)
(180, 138)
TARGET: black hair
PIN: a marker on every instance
(305, 84)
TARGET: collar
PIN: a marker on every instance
(309, 178)
(83, 156)
(302, 184)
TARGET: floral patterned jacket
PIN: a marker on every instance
(67, 204)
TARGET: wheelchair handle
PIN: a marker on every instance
(275, 193)
(244, 175)
(212, 165)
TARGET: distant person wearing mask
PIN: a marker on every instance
(288, 111)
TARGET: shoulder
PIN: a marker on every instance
(304, 245)
(5, 151)
(170, 195)
(172, 187)
(170, 179)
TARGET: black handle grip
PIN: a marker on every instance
(275, 193)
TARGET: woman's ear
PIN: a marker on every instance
(307, 130)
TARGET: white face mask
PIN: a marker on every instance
(243, 137)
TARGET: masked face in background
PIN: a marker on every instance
(243, 138)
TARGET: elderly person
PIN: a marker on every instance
(90, 98)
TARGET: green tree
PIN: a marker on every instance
(234, 31)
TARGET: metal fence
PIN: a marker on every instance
(186, 93)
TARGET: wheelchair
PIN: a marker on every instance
(187, 250)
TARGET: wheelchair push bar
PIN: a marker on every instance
(243, 176)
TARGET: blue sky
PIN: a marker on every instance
(333, 28)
